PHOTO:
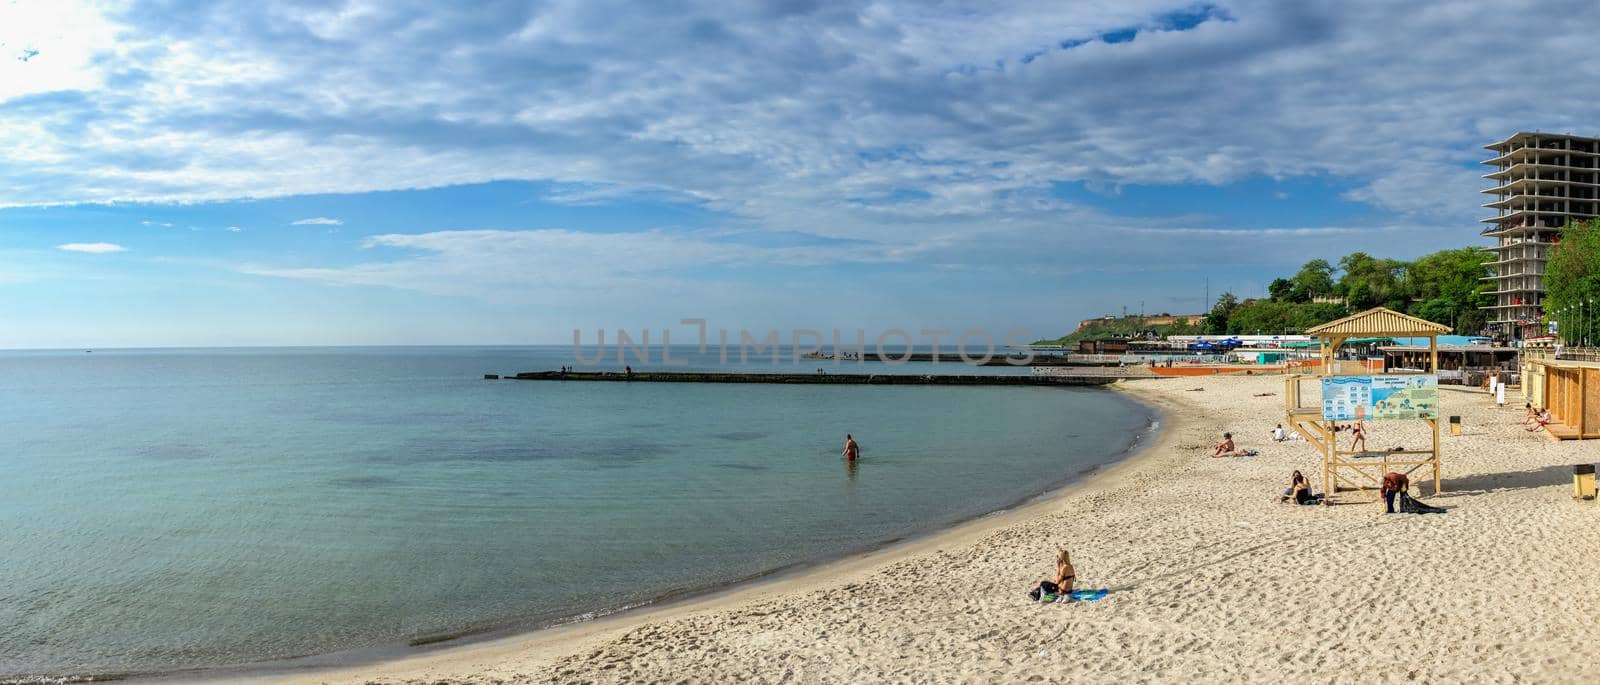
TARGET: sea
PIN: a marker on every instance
(176, 509)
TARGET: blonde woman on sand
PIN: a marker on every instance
(1059, 589)
(1064, 572)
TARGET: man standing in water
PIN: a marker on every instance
(851, 449)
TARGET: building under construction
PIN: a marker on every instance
(1540, 182)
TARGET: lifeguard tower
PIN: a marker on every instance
(1345, 395)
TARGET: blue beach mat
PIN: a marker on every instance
(1089, 595)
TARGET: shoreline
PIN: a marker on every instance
(548, 642)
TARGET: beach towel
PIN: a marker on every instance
(1049, 592)
(1409, 505)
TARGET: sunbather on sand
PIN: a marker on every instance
(1065, 576)
(1299, 491)
(1226, 448)
(1541, 420)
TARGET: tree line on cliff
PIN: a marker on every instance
(1447, 287)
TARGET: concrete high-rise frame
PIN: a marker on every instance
(1541, 181)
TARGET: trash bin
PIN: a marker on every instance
(1583, 481)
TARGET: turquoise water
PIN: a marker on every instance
(196, 508)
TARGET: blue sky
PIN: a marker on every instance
(409, 173)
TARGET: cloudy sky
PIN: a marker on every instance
(249, 173)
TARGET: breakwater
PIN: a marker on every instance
(926, 357)
(812, 378)
(1046, 359)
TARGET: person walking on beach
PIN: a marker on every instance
(1358, 436)
(1393, 485)
(851, 449)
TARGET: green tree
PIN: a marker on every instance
(1217, 319)
(1572, 282)
(1281, 289)
(1268, 317)
(1315, 279)
(1369, 282)
(1448, 288)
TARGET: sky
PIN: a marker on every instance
(356, 173)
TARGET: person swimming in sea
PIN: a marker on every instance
(852, 451)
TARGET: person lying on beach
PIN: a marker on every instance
(1299, 491)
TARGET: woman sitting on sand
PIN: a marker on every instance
(1540, 420)
(1300, 491)
(1226, 448)
(1065, 575)
(1062, 585)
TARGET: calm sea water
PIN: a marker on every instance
(191, 508)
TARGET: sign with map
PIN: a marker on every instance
(1347, 398)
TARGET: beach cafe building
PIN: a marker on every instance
(1463, 364)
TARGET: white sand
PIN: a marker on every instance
(1211, 579)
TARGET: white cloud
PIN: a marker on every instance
(92, 248)
(51, 45)
(806, 120)
(318, 221)
(155, 224)
(502, 266)
(233, 229)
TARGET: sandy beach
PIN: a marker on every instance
(1211, 580)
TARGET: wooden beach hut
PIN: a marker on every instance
(1315, 416)
(1570, 389)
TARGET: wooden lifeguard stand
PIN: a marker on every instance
(1341, 472)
